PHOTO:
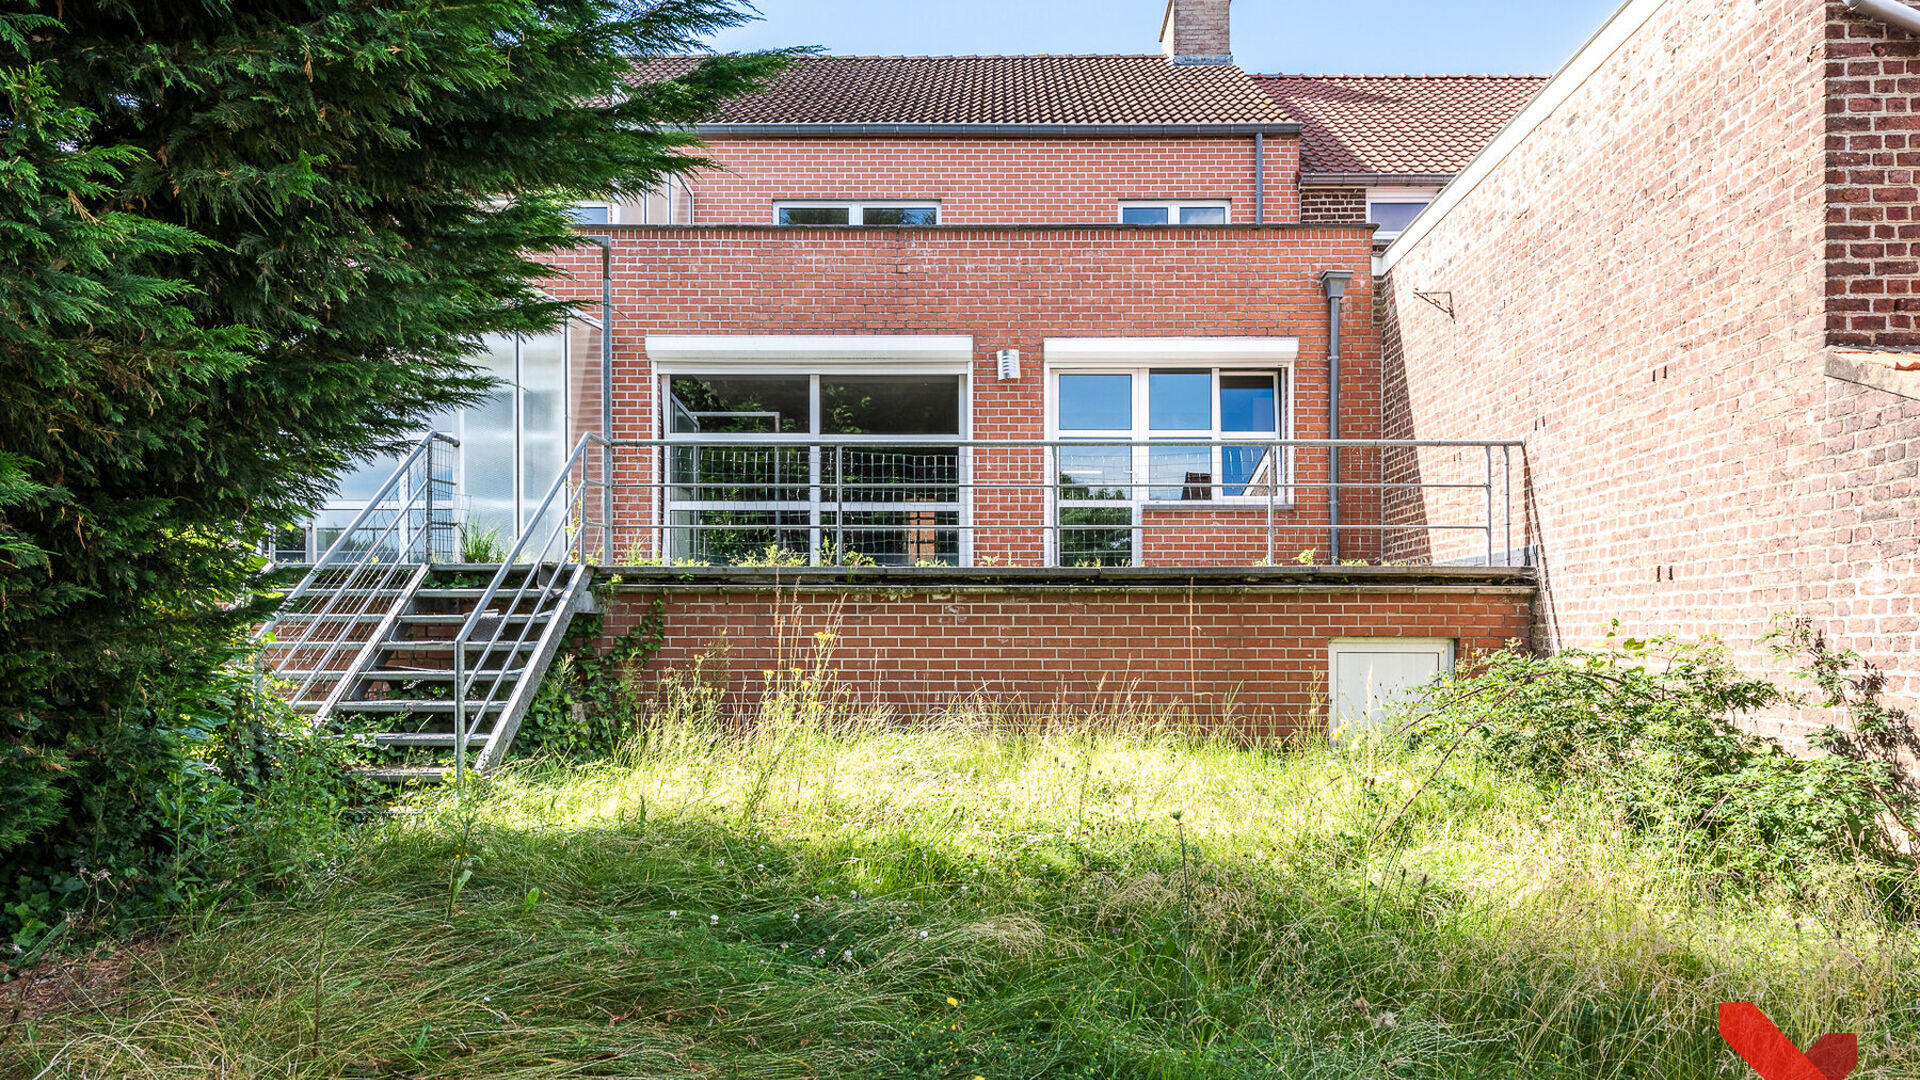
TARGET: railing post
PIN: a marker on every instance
(1050, 462)
(1333, 505)
(814, 536)
(460, 710)
(1506, 493)
(1489, 450)
(840, 503)
(606, 504)
(1273, 483)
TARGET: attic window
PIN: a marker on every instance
(1394, 211)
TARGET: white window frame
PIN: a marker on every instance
(1446, 649)
(612, 208)
(813, 356)
(1396, 196)
(1140, 358)
(857, 208)
(1173, 208)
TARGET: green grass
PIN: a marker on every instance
(856, 900)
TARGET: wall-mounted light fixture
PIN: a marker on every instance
(1009, 364)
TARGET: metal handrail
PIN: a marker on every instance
(348, 569)
(793, 479)
(424, 446)
(462, 681)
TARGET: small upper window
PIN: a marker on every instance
(1393, 212)
(597, 213)
(1174, 213)
(872, 213)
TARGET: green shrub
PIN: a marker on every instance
(1654, 729)
(589, 702)
(218, 792)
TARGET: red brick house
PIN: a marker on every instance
(1051, 378)
(1686, 276)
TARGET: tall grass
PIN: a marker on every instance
(833, 894)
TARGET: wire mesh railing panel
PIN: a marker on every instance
(1225, 501)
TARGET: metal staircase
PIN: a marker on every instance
(428, 663)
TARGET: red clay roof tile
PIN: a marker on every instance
(949, 90)
(1397, 123)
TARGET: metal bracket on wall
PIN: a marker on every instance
(1441, 300)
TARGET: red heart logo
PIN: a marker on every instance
(1775, 1057)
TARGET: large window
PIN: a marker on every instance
(1175, 213)
(1191, 435)
(849, 469)
(513, 442)
(857, 213)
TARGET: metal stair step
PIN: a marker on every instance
(460, 620)
(431, 645)
(463, 594)
(425, 738)
(376, 705)
(430, 775)
(444, 675)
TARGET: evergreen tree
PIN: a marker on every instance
(242, 246)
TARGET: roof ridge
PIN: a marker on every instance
(983, 56)
(1428, 75)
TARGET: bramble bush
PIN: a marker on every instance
(1654, 729)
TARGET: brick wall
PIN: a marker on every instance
(1638, 291)
(1009, 288)
(996, 181)
(1873, 152)
(1250, 659)
(1320, 205)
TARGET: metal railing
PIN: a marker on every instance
(930, 501)
(338, 608)
(548, 558)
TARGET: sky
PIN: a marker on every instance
(1299, 36)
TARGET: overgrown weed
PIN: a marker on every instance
(838, 892)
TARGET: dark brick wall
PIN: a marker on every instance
(1320, 206)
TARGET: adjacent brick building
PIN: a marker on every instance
(1685, 275)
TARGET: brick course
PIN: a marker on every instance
(996, 181)
(1320, 205)
(1643, 291)
(1253, 661)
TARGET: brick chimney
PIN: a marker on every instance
(1197, 32)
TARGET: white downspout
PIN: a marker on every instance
(1889, 12)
